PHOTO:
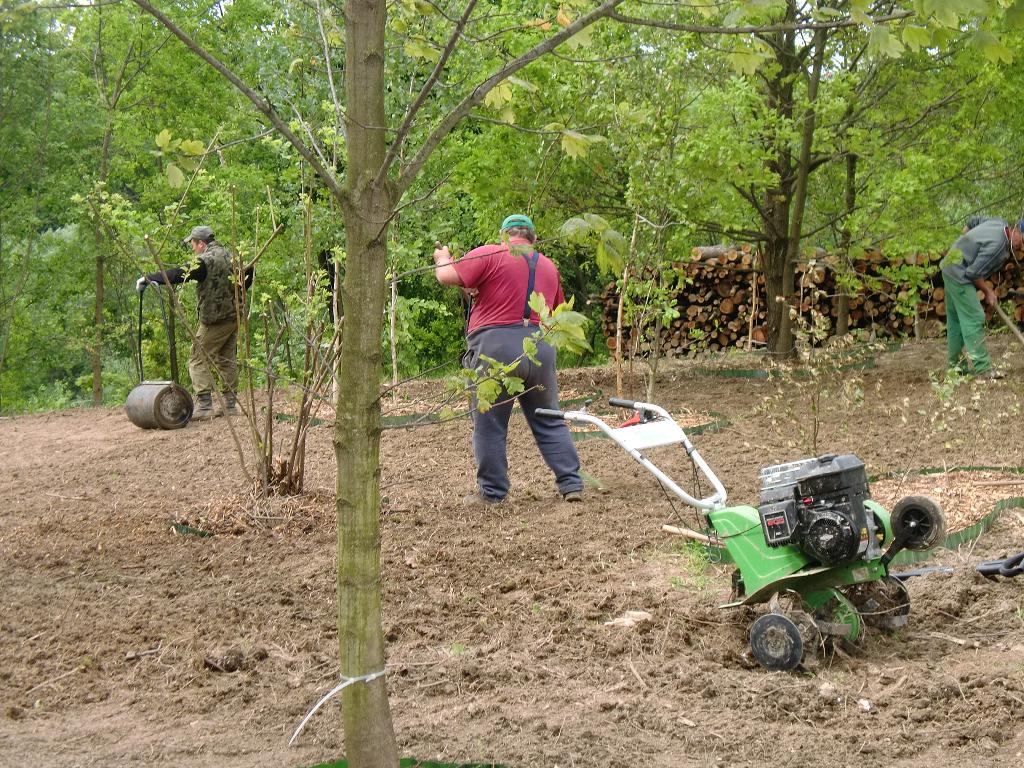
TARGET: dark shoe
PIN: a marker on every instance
(477, 499)
(991, 374)
(573, 497)
(204, 410)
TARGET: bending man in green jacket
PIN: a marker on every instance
(977, 254)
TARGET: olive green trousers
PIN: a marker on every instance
(214, 357)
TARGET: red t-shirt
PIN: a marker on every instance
(500, 279)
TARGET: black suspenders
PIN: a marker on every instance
(531, 261)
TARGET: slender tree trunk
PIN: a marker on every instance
(369, 731)
(96, 353)
(619, 313)
(655, 357)
(803, 171)
(393, 332)
(620, 309)
(111, 92)
(843, 309)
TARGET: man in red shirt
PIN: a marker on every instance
(503, 277)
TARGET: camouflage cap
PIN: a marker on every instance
(203, 233)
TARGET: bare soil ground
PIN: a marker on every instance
(123, 642)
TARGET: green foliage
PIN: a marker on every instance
(562, 328)
(100, 109)
(428, 334)
(610, 247)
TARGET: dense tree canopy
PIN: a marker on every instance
(104, 120)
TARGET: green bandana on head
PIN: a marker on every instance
(517, 220)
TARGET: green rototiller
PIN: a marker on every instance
(816, 549)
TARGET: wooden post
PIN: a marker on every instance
(753, 308)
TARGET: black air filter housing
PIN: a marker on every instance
(834, 475)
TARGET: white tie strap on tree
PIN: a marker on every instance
(345, 682)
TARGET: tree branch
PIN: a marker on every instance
(421, 97)
(477, 95)
(261, 104)
(705, 29)
(338, 112)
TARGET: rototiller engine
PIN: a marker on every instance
(816, 549)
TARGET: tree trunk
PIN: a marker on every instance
(778, 286)
(775, 209)
(782, 208)
(618, 331)
(654, 358)
(622, 304)
(96, 353)
(843, 308)
(366, 715)
(784, 345)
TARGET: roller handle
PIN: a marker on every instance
(621, 402)
(550, 413)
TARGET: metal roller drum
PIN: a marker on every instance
(159, 405)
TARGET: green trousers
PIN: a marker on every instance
(965, 328)
(214, 348)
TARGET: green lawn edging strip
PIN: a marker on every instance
(971, 532)
(768, 373)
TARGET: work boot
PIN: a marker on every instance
(204, 410)
(230, 404)
(573, 497)
(991, 374)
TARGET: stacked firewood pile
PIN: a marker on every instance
(723, 301)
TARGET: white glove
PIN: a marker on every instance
(140, 284)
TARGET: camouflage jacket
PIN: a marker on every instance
(216, 293)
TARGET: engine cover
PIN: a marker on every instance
(818, 505)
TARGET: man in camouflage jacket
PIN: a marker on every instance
(214, 348)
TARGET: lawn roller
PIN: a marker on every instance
(816, 549)
(159, 404)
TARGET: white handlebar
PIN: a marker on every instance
(660, 431)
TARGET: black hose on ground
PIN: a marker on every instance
(1007, 568)
(1010, 567)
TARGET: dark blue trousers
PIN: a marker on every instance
(490, 428)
